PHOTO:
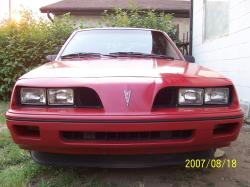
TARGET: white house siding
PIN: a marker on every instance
(230, 54)
(91, 21)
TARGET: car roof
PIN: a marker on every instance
(118, 28)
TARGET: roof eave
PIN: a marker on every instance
(85, 12)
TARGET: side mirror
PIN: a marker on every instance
(51, 58)
(189, 58)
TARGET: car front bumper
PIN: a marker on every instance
(49, 138)
(119, 161)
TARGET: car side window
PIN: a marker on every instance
(162, 46)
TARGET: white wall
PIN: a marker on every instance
(230, 54)
(87, 20)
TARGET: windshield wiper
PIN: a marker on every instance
(85, 55)
(115, 54)
(81, 55)
(138, 54)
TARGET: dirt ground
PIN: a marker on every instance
(179, 176)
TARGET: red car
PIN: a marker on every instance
(122, 97)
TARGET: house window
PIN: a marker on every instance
(216, 18)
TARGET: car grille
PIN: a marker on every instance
(126, 136)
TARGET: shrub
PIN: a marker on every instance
(24, 45)
(134, 17)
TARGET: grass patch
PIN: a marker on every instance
(17, 169)
(15, 165)
(3, 109)
(14, 162)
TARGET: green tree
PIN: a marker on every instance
(134, 17)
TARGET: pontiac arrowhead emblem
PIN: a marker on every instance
(127, 94)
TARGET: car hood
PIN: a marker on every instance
(119, 67)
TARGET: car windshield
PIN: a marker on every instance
(120, 42)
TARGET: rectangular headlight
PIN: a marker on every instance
(191, 96)
(60, 96)
(33, 96)
(216, 96)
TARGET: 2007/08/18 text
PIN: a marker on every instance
(210, 163)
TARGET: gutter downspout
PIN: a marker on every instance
(49, 16)
(191, 28)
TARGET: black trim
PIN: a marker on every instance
(126, 121)
(191, 15)
(166, 98)
(118, 161)
(135, 136)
